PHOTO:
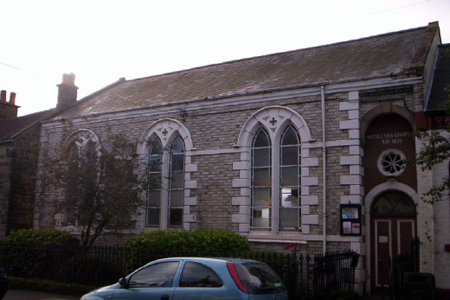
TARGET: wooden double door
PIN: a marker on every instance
(393, 230)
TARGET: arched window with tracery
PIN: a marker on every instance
(82, 172)
(277, 198)
(165, 193)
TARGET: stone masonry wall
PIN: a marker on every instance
(5, 184)
(213, 197)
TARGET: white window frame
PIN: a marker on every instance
(274, 120)
(275, 156)
(167, 130)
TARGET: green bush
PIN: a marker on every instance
(31, 253)
(148, 246)
(198, 241)
(42, 237)
(216, 241)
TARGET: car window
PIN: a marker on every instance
(259, 278)
(198, 275)
(157, 275)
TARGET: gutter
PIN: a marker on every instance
(324, 169)
(6, 142)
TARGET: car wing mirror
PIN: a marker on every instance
(123, 282)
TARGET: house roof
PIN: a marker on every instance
(373, 57)
(9, 128)
(440, 89)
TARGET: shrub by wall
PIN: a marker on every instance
(42, 263)
(201, 242)
(40, 237)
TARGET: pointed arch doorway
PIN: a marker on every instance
(393, 228)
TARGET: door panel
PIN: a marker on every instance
(383, 250)
(148, 293)
(405, 235)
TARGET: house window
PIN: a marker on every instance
(275, 202)
(176, 182)
(290, 180)
(82, 175)
(155, 157)
(261, 211)
(165, 192)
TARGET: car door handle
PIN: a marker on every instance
(164, 297)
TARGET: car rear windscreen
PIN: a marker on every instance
(259, 278)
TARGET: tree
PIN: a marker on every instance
(99, 187)
(435, 150)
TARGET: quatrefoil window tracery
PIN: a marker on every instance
(391, 162)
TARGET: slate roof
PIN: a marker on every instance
(440, 89)
(9, 128)
(372, 57)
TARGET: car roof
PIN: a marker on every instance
(205, 259)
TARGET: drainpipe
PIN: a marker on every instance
(433, 236)
(324, 170)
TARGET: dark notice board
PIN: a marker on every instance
(351, 219)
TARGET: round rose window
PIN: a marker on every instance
(391, 162)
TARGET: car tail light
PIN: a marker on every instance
(232, 270)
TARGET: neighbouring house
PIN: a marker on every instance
(19, 149)
(19, 141)
(306, 147)
(434, 219)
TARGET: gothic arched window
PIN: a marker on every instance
(165, 192)
(82, 172)
(275, 202)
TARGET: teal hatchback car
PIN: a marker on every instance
(185, 278)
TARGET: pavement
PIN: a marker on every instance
(34, 295)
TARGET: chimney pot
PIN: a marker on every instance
(8, 110)
(12, 98)
(69, 79)
(3, 96)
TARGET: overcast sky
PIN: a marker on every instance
(102, 41)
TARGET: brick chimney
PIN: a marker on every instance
(67, 91)
(8, 110)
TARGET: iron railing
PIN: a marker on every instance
(306, 276)
(398, 266)
(334, 274)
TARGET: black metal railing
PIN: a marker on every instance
(306, 276)
(334, 274)
(400, 265)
